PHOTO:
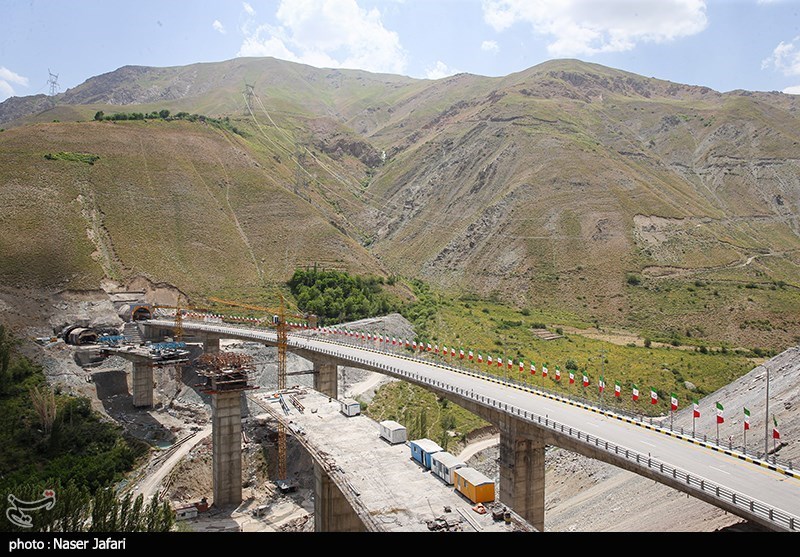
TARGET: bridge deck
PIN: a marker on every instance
(398, 493)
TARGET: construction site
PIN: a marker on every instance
(185, 457)
(228, 409)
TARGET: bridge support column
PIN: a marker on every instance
(522, 470)
(142, 384)
(226, 431)
(326, 377)
(210, 345)
(332, 512)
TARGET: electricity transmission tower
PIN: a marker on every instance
(52, 82)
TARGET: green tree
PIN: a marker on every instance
(99, 115)
(163, 114)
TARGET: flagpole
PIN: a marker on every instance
(693, 420)
(717, 431)
(766, 422)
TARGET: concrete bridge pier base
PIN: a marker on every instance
(332, 512)
(326, 377)
(210, 345)
(142, 383)
(522, 470)
(226, 432)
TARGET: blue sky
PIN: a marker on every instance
(722, 44)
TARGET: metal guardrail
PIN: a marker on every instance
(780, 519)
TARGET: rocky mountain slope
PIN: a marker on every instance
(621, 199)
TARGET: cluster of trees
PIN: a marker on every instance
(336, 296)
(76, 509)
(50, 440)
(164, 114)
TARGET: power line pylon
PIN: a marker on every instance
(52, 82)
(248, 95)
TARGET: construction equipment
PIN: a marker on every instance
(279, 316)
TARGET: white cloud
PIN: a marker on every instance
(587, 27)
(249, 9)
(767, 1)
(332, 33)
(7, 77)
(785, 57)
(793, 90)
(440, 70)
(218, 26)
(490, 46)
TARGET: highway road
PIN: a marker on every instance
(760, 484)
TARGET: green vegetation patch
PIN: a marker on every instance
(87, 158)
(45, 434)
(337, 296)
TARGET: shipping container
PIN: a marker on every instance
(443, 464)
(350, 407)
(393, 432)
(473, 485)
(422, 449)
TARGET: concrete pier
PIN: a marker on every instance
(522, 470)
(210, 345)
(326, 377)
(226, 423)
(332, 512)
(142, 383)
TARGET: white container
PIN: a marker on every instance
(443, 464)
(393, 432)
(350, 407)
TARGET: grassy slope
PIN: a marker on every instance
(163, 200)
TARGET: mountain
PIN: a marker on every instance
(572, 187)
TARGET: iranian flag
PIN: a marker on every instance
(453, 352)
(653, 396)
(601, 384)
(435, 348)
(775, 433)
(696, 410)
(635, 393)
(558, 374)
(585, 380)
(414, 344)
(470, 355)
(673, 402)
(533, 368)
(521, 366)
(746, 419)
(499, 362)
(461, 355)
(617, 389)
(571, 378)
(489, 360)
(720, 416)
(394, 341)
(544, 370)
(510, 363)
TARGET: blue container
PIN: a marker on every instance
(422, 449)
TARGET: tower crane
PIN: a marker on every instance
(279, 316)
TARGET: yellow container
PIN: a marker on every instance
(473, 485)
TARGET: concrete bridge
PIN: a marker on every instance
(529, 420)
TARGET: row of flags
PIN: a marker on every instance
(776, 434)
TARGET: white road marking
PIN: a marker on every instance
(595, 425)
(646, 443)
(718, 470)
